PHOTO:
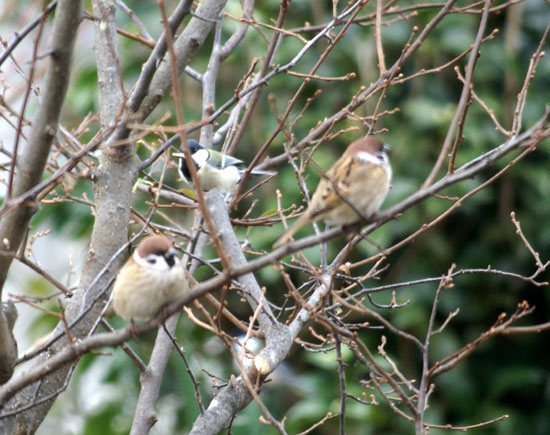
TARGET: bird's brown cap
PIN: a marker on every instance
(153, 245)
(367, 144)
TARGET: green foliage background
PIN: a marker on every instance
(508, 375)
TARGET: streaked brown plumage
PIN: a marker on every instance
(152, 277)
(361, 176)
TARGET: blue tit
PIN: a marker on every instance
(215, 169)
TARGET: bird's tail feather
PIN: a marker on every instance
(260, 172)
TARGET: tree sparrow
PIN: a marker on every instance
(357, 182)
(152, 277)
(215, 169)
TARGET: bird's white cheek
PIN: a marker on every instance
(159, 265)
(200, 157)
(367, 158)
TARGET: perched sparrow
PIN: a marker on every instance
(215, 169)
(361, 177)
(151, 277)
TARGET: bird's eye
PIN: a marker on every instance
(382, 150)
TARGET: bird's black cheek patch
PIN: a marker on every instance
(185, 170)
(170, 260)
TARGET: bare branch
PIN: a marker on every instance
(13, 226)
(462, 107)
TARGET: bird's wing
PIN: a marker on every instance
(326, 197)
(221, 161)
(346, 175)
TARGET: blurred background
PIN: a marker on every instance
(507, 375)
